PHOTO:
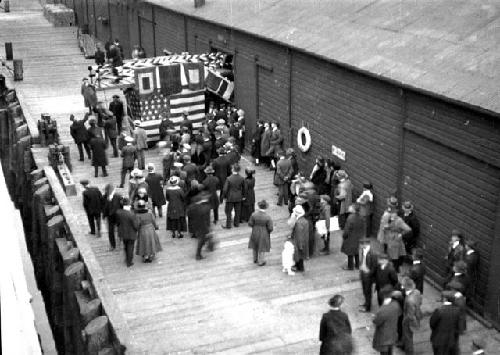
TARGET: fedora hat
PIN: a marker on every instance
(407, 206)
(209, 170)
(84, 182)
(392, 202)
(263, 204)
(151, 167)
(220, 122)
(136, 173)
(128, 139)
(141, 204)
(174, 180)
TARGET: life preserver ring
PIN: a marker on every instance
(303, 139)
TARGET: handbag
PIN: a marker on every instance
(321, 225)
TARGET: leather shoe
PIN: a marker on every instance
(199, 257)
(226, 227)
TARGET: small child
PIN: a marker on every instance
(287, 257)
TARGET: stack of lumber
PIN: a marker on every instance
(59, 15)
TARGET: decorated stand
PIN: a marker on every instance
(173, 84)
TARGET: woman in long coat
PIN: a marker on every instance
(148, 243)
(354, 230)
(248, 205)
(155, 190)
(260, 239)
(176, 214)
(300, 236)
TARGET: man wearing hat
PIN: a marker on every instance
(410, 238)
(412, 314)
(80, 135)
(456, 251)
(199, 215)
(92, 204)
(222, 167)
(386, 322)
(256, 142)
(353, 232)
(471, 259)
(368, 264)
(167, 160)
(155, 190)
(300, 236)
(166, 125)
(141, 143)
(335, 329)
(365, 202)
(190, 168)
(111, 131)
(129, 155)
(344, 196)
(460, 276)
(186, 123)
(127, 229)
(99, 157)
(234, 191)
(282, 177)
(417, 269)
(116, 106)
(384, 275)
(445, 326)
(211, 184)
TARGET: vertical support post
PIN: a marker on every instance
(402, 132)
(9, 55)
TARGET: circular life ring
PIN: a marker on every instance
(303, 139)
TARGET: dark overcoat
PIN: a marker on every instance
(110, 207)
(262, 226)
(445, 326)
(335, 333)
(175, 197)
(210, 184)
(250, 193)
(110, 127)
(234, 189)
(99, 157)
(354, 230)
(222, 169)
(127, 225)
(129, 154)
(386, 326)
(155, 189)
(79, 131)
(300, 238)
(199, 219)
(92, 200)
(265, 142)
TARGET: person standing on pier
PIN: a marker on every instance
(260, 239)
(80, 135)
(234, 192)
(127, 230)
(116, 106)
(112, 203)
(92, 204)
(141, 143)
(155, 190)
(300, 236)
(335, 330)
(99, 158)
(129, 154)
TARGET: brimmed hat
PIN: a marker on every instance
(263, 204)
(174, 180)
(209, 170)
(300, 200)
(220, 122)
(141, 204)
(137, 123)
(336, 301)
(84, 182)
(392, 202)
(128, 139)
(116, 97)
(448, 295)
(407, 206)
(457, 232)
(367, 184)
(249, 170)
(136, 173)
(326, 198)
(298, 209)
(151, 167)
(342, 174)
(240, 112)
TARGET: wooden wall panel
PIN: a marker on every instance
(169, 31)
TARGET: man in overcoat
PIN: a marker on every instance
(116, 106)
(384, 275)
(199, 213)
(456, 251)
(335, 330)
(471, 259)
(211, 183)
(412, 314)
(411, 237)
(80, 135)
(417, 270)
(141, 143)
(344, 196)
(99, 158)
(386, 323)
(155, 190)
(368, 264)
(111, 132)
(112, 202)
(127, 230)
(445, 327)
(234, 191)
(353, 232)
(92, 204)
(300, 236)
(265, 143)
(129, 154)
(282, 177)
(222, 168)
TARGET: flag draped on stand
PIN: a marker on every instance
(145, 80)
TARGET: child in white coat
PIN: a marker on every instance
(287, 257)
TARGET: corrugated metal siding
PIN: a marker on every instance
(169, 32)
(101, 10)
(147, 36)
(245, 91)
(119, 25)
(360, 115)
(273, 85)
(202, 35)
(91, 7)
(78, 8)
(450, 190)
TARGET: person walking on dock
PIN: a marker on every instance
(234, 192)
(335, 330)
(80, 135)
(141, 143)
(116, 106)
(300, 236)
(99, 158)
(129, 154)
(92, 204)
(260, 239)
(148, 243)
(112, 203)
(155, 190)
(127, 230)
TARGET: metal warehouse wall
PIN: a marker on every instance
(170, 32)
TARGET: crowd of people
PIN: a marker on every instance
(200, 170)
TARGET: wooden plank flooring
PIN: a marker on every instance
(224, 304)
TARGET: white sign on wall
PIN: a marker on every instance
(339, 153)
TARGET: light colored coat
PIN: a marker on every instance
(344, 195)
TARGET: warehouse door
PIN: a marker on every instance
(102, 20)
(147, 36)
(118, 18)
(245, 92)
(273, 106)
(450, 190)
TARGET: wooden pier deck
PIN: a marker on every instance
(224, 304)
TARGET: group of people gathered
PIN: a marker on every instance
(200, 170)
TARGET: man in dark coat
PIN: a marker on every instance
(199, 213)
(417, 270)
(92, 204)
(111, 132)
(459, 275)
(234, 191)
(445, 327)
(112, 202)
(210, 184)
(166, 125)
(99, 158)
(385, 274)
(155, 190)
(471, 259)
(129, 155)
(186, 123)
(353, 232)
(168, 159)
(368, 264)
(127, 230)
(221, 167)
(412, 314)
(80, 135)
(410, 238)
(456, 251)
(141, 144)
(335, 330)
(256, 142)
(190, 168)
(282, 177)
(99, 56)
(116, 106)
(300, 237)
(386, 322)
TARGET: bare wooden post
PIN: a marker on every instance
(97, 335)
(40, 198)
(73, 276)
(54, 226)
(89, 308)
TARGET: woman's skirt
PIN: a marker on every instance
(176, 224)
(148, 242)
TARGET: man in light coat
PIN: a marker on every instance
(344, 196)
(141, 143)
